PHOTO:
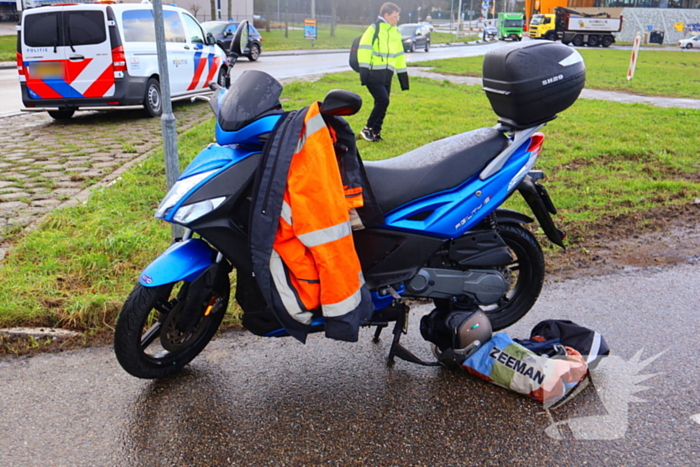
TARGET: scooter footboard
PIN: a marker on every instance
(183, 261)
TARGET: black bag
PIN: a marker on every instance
(587, 342)
(352, 60)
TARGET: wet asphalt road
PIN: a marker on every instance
(255, 401)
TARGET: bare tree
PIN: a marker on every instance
(334, 16)
(194, 8)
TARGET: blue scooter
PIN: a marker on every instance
(444, 235)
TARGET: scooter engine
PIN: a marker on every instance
(484, 286)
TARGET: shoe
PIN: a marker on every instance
(377, 137)
(367, 134)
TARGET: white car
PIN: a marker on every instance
(690, 42)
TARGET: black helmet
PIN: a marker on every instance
(455, 334)
(471, 333)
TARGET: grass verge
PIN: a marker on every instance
(8, 48)
(344, 35)
(658, 73)
(76, 269)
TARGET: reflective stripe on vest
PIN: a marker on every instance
(286, 213)
(346, 306)
(327, 235)
(334, 310)
(311, 126)
(289, 298)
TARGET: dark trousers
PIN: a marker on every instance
(380, 93)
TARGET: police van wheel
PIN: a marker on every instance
(153, 101)
(222, 79)
(254, 53)
(61, 114)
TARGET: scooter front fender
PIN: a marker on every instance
(183, 261)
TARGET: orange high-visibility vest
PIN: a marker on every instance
(314, 264)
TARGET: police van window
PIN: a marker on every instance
(84, 27)
(194, 32)
(42, 30)
(138, 26)
(174, 30)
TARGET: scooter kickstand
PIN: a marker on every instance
(398, 350)
(377, 332)
(398, 330)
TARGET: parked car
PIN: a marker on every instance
(103, 56)
(223, 32)
(690, 42)
(415, 36)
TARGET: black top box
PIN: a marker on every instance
(530, 82)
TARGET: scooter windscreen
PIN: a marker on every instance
(252, 95)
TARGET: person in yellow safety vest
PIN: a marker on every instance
(310, 267)
(380, 54)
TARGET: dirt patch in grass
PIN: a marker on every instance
(658, 237)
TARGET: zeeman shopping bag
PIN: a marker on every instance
(504, 362)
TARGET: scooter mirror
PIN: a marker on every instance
(240, 39)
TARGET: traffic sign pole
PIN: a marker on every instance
(633, 59)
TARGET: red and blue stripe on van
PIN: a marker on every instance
(66, 86)
(200, 63)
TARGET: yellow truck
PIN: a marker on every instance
(573, 27)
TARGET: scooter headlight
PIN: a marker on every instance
(189, 213)
(179, 190)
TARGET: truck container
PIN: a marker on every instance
(573, 27)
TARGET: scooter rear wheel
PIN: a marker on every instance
(525, 274)
(147, 342)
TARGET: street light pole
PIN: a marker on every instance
(459, 18)
(167, 119)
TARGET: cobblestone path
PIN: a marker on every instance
(45, 163)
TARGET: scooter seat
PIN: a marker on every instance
(437, 166)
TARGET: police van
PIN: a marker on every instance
(103, 56)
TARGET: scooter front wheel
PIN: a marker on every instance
(147, 341)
